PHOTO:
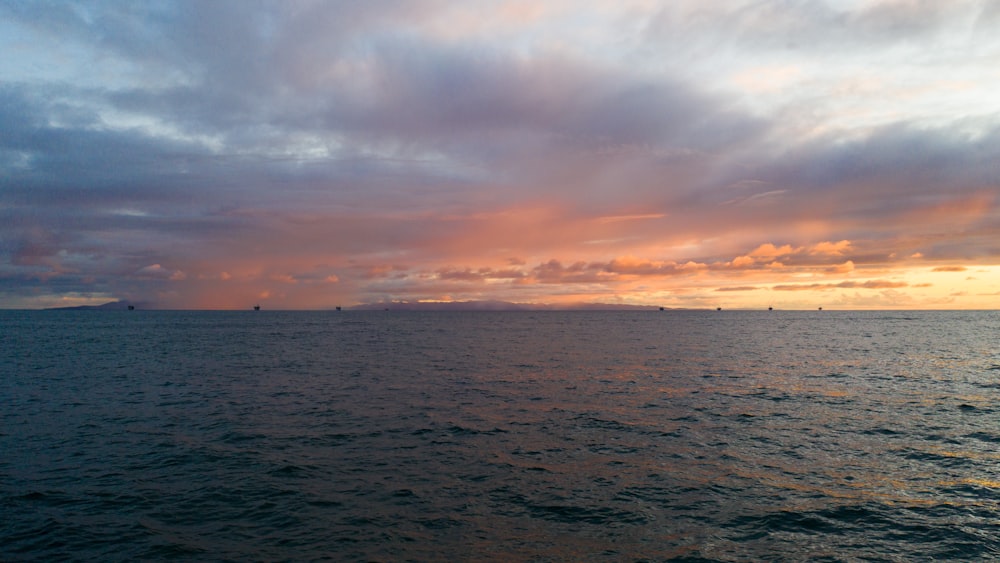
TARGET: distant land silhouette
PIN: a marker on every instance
(489, 305)
(498, 306)
(110, 306)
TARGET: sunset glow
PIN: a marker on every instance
(304, 155)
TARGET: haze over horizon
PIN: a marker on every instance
(689, 154)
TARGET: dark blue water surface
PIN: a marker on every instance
(513, 436)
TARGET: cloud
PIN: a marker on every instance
(769, 252)
(630, 265)
(158, 272)
(823, 253)
(870, 284)
(844, 268)
(836, 249)
(320, 153)
(949, 269)
(554, 272)
(810, 27)
(480, 275)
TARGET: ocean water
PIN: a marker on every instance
(499, 436)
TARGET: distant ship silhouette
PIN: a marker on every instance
(256, 307)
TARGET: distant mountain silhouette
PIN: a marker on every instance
(491, 305)
(496, 306)
(110, 306)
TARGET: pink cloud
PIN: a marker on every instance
(156, 271)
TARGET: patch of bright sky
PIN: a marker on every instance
(842, 85)
(834, 86)
(18, 160)
(65, 61)
(21, 60)
(978, 286)
(117, 120)
(297, 146)
(129, 212)
(595, 31)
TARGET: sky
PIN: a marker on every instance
(687, 153)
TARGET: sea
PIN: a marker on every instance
(500, 436)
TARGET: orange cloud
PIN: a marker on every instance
(818, 253)
(844, 268)
(834, 248)
(769, 252)
(629, 265)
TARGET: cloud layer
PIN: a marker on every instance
(313, 154)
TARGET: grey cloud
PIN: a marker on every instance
(78, 157)
(886, 182)
(300, 127)
(422, 91)
(895, 166)
(554, 272)
(479, 275)
(404, 90)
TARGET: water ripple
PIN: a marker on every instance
(498, 436)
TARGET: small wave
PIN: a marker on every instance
(601, 516)
(837, 520)
(881, 432)
(943, 458)
(605, 424)
(440, 523)
(984, 437)
(289, 470)
(456, 430)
